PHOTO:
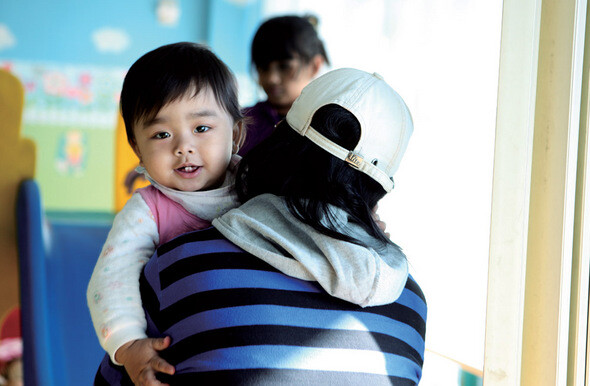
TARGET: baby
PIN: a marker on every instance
(182, 116)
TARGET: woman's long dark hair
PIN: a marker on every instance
(310, 179)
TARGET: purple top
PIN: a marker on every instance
(262, 118)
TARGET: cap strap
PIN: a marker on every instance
(323, 142)
(351, 158)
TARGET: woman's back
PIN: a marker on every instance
(234, 319)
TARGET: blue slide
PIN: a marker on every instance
(57, 255)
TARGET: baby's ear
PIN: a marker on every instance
(239, 136)
(136, 151)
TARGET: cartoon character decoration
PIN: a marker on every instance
(11, 350)
(71, 153)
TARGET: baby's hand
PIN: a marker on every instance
(142, 362)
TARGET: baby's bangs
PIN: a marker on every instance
(170, 90)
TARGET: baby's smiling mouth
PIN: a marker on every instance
(187, 169)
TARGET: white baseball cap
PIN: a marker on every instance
(386, 123)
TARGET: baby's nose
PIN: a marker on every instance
(184, 148)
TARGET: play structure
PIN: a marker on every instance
(125, 161)
(17, 156)
(57, 255)
(52, 254)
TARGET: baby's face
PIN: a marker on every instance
(188, 145)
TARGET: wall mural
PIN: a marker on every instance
(71, 111)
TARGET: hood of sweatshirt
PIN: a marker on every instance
(367, 276)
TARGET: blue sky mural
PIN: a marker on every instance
(108, 32)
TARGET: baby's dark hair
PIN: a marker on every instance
(167, 73)
(286, 37)
(310, 179)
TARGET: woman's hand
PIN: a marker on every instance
(142, 362)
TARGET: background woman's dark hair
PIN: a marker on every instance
(310, 179)
(286, 37)
(167, 73)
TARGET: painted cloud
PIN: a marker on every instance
(110, 40)
(7, 39)
(240, 3)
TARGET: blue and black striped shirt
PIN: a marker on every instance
(234, 319)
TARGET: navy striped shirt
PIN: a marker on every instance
(234, 319)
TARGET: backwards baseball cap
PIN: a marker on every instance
(386, 123)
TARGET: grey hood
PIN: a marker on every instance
(265, 227)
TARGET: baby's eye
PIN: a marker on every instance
(162, 135)
(201, 129)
